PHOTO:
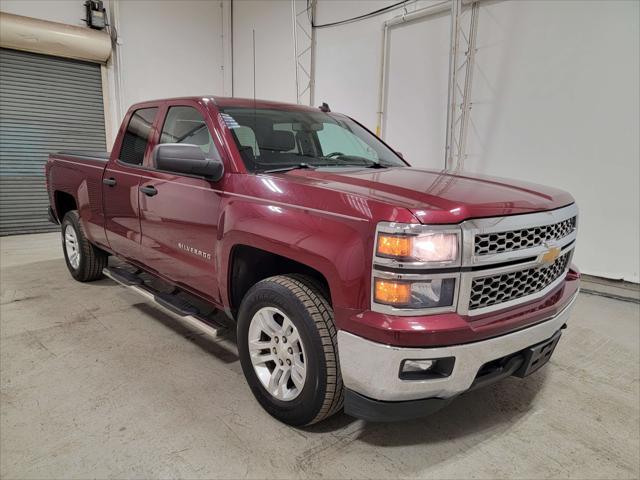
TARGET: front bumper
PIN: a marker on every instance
(371, 371)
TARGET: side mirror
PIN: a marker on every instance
(188, 159)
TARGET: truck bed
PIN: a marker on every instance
(74, 177)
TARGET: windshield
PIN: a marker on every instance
(270, 139)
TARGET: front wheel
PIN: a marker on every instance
(288, 350)
(84, 261)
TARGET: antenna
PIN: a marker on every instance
(254, 68)
(255, 136)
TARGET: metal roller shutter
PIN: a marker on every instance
(47, 104)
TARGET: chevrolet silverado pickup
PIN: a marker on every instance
(352, 280)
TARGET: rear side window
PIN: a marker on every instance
(186, 125)
(137, 135)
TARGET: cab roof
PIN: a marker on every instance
(224, 102)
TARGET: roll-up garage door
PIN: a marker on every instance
(47, 104)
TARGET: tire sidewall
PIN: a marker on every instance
(304, 408)
(71, 220)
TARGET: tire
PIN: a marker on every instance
(87, 266)
(296, 299)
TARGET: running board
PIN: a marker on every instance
(170, 304)
(122, 276)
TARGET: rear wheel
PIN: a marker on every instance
(84, 261)
(288, 350)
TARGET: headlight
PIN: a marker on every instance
(416, 294)
(418, 243)
(415, 268)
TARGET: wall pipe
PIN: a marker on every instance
(231, 43)
(116, 59)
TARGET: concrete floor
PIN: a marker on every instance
(97, 384)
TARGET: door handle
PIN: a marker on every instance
(149, 191)
(109, 181)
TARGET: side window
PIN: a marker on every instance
(137, 135)
(186, 125)
(336, 139)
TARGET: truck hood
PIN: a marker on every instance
(439, 196)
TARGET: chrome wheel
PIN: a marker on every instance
(277, 353)
(71, 246)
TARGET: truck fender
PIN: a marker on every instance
(330, 244)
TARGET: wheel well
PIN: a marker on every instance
(249, 265)
(64, 203)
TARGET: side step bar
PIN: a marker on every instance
(122, 276)
(170, 304)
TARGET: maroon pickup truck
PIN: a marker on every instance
(351, 278)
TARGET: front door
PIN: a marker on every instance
(179, 214)
(120, 183)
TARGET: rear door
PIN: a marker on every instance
(121, 181)
(179, 217)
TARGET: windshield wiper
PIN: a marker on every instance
(377, 165)
(366, 162)
(290, 167)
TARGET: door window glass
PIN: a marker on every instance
(186, 125)
(137, 135)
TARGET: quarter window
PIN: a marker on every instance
(137, 135)
(186, 125)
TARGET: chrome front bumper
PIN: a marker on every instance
(372, 369)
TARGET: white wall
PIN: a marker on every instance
(170, 49)
(275, 66)
(555, 101)
(70, 12)
(558, 103)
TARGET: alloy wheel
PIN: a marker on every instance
(277, 353)
(71, 246)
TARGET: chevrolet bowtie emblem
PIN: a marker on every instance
(550, 255)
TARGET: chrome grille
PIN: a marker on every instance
(498, 242)
(495, 289)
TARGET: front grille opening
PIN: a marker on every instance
(496, 289)
(499, 242)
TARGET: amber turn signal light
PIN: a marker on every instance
(392, 292)
(394, 246)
